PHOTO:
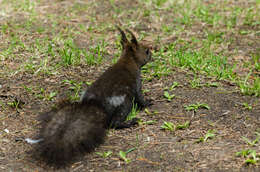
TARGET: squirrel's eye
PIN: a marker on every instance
(147, 51)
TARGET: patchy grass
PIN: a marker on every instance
(203, 51)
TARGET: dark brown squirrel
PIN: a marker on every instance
(73, 129)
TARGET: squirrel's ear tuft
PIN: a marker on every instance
(124, 40)
(133, 40)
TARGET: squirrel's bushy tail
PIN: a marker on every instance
(69, 131)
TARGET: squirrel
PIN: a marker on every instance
(73, 129)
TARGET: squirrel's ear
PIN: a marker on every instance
(133, 40)
(124, 40)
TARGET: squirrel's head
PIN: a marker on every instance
(132, 49)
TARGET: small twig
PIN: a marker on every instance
(148, 161)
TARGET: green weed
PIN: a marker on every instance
(168, 96)
(51, 96)
(133, 113)
(244, 153)
(209, 135)
(253, 159)
(95, 53)
(123, 154)
(24, 5)
(159, 2)
(174, 85)
(247, 106)
(104, 154)
(212, 84)
(40, 94)
(182, 126)
(150, 113)
(171, 127)
(150, 122)
(28, 89)
(75, 87)
(250, 89)
(250, 155)
(254, 142)
(195, 83)
(70, 54)
(195, 107)
(14, 104)
(168, 126)
(250, 18)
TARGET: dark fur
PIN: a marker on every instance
(123, 78)
(76, 128)
(71, 130)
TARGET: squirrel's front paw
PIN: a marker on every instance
(134, 121)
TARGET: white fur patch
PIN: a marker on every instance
(116, 100)
(31, 141)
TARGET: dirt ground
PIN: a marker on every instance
(155, 149)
